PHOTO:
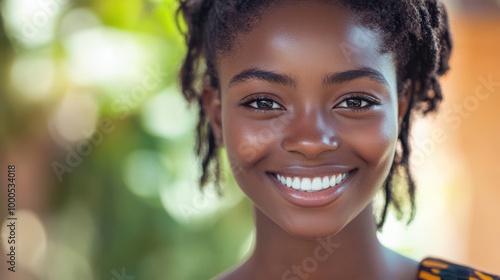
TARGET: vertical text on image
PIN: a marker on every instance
(11, 217)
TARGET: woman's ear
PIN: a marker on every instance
(404, 101)
(213, 109)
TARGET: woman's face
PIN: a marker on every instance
(309, 115)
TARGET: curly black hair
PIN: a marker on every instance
(415, 31)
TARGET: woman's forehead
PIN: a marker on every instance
(314, 38)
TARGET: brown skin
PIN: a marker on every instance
(304, 127)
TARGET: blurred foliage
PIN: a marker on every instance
(94, 83)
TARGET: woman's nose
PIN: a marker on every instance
(310, 135)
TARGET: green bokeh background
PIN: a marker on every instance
(129, 205)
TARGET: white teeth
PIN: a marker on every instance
(296, 183)
(312, 184)
(306, 184)
(326, 182)
(317, 184)
(338, 179)
(280, 178)
(333, 181)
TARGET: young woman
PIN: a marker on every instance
(313, 102)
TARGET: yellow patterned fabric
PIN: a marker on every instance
(436, 269)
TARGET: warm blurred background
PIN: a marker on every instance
(91, 116)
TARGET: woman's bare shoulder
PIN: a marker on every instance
(401, 267)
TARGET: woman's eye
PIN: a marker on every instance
(263, 104)
(354, 103)
(357, 103)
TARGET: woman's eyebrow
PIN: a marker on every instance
(263, 75)
(286, 80)
(350, 75)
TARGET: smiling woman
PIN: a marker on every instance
(343, 80)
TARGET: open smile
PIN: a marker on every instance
(316, 190)
(313, 184)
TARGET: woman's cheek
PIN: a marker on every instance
(373, 140)
(248, 141)
(383, 149)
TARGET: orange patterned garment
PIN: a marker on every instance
(436, 269)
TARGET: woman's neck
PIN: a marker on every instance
(353, 253)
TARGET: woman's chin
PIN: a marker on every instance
(310, 231)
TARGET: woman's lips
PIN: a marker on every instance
(312, 191)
